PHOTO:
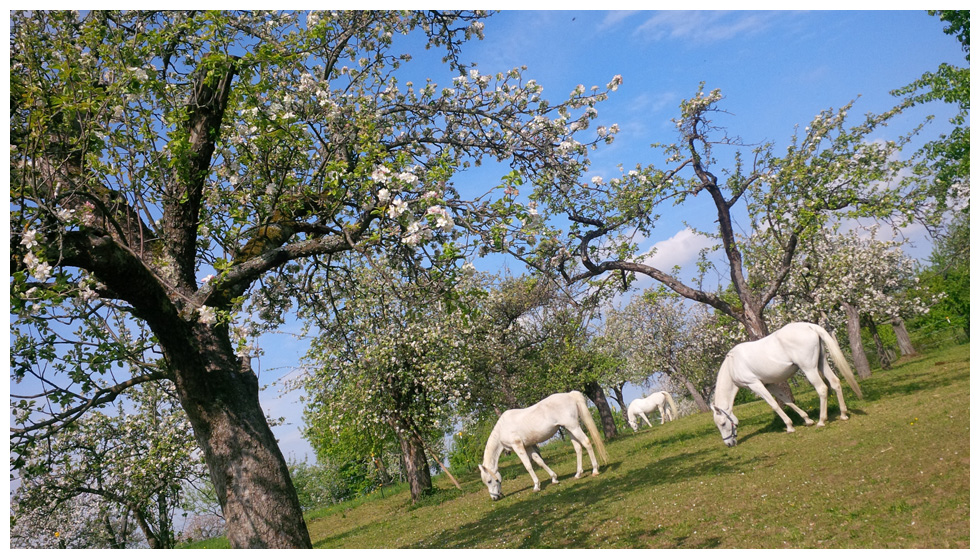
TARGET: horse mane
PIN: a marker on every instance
(725, 380)
(491, 453)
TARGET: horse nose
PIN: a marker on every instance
(495, 497)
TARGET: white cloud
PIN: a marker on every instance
(614, 18)
(680, 250)
(703, 26)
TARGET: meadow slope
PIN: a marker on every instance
(896, 475)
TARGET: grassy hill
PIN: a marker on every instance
(896, 475)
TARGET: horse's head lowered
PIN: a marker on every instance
(492, 480)
(727, 426)
(632, 422)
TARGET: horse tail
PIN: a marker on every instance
(670, 402)
(838, 357)
(586, 417)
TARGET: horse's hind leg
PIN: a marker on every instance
(536, 456)
(834, 383)
(815, 378)
(578, 457)
(579, 440)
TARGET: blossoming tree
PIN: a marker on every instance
(842, 277)
(393, 363)
(170, 168)
(828, 170)
(127, 468)
(659, 332)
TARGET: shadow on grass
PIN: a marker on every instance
(524, 520)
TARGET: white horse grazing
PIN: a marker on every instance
(521, 430)
(767, 364)
(640, 407)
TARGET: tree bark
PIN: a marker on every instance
(414, 463)
(220, 394)
(618, 396)
(695, 394)
(883, 359)
(861, 365)
(905, 346)
(598, 397)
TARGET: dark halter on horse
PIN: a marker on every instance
(734, 432)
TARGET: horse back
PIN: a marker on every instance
(539, 422)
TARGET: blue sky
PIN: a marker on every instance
(777, 69)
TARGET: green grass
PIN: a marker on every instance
(896, 475)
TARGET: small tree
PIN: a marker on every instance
(132, 466)
(665, 335)
(394, 364)
(948, 278)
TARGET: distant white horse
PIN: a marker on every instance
(767, 364)
(520, 430)
(640, 407)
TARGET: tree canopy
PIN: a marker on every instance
(177, 179)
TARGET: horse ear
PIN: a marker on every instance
(483, 469)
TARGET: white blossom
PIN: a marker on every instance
(397, 208)
(380, 174)
(29, 239)
(409, 178)
(207, 315)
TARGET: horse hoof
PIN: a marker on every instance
(821, 424)
(809, 422)
(537, 488)
(790, 430)
(595, 474)
(844, 417)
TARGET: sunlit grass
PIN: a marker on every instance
(896, 475)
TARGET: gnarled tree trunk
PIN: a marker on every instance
(598, 397)
(695, 394)
(618, 396)
(905, 346)
(883, 358)
(414, 463)
(220, 394)
(861, 364)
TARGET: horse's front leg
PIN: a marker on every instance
(781, 392)
(522, 454)
(536, 456)
(760, 391)
(644, 416)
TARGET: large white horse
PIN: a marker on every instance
(766, 364)
(520, 430)
(640, 407)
